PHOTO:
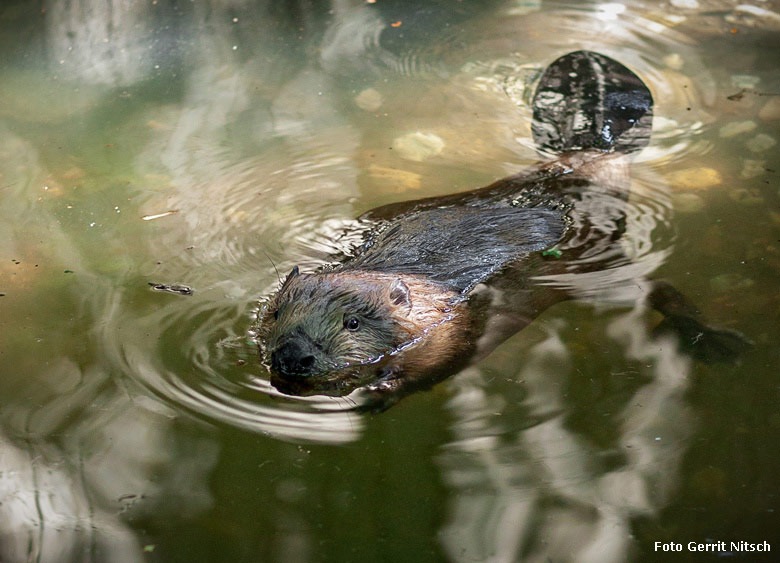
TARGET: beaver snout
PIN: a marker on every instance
(294, 357)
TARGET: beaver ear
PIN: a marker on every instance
(399, 294)
(292, 275)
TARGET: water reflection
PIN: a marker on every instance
(47, 516)
(545, 490)
(78, 447)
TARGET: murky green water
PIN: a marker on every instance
(196, 142)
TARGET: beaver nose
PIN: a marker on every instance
(292, 358)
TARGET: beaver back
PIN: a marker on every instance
(458, 247)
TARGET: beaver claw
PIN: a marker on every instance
(389, 383)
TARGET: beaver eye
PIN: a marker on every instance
(351, 323)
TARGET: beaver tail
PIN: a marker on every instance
(585, 100)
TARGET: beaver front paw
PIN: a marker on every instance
(705, 343)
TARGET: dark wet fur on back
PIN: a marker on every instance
(458, 247)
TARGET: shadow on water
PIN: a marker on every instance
(214, 144)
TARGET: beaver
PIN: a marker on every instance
(413, 302)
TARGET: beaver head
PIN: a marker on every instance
(325, 322)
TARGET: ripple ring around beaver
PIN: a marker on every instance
(439, 282)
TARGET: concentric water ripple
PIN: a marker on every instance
(243, 220)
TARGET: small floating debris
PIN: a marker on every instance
(159, 215)
(418, 146)
(738, 96)
(173, 288)
(736, 128)
(761, 143)
(553, 252)
(369, 100)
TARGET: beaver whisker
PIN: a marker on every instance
(274, 267)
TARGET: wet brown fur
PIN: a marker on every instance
(430, 319)
(436, 326)
(411, 287)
